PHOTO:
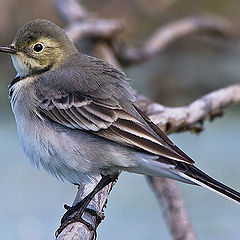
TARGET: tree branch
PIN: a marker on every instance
(71, 10)
(169, 197)
(81, 24)
(94, 27)
(191, 116)
(170, 119)
(170, 33)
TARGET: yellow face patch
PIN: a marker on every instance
(45, 42)
(38, 55)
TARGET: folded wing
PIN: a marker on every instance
(76, 111)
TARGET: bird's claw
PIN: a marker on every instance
(77, 212)
(76, 218)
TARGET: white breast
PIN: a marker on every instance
(44, 146)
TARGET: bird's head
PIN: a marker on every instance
(39, 46)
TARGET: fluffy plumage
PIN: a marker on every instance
(76, 117)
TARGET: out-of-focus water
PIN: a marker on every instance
(31, 202)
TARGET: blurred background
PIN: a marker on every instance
(31, 202)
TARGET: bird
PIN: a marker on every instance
(76, 117)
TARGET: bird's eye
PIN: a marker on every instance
(38, 47)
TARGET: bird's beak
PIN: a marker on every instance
(9, 49)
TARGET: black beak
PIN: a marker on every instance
(8, 49)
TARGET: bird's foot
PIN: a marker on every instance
(79, 211)
(74, 214)
(78, 208)
(76, 218)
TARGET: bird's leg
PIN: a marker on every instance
(81, 206)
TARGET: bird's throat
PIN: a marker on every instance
(20, 66)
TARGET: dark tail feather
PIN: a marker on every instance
(197, 176)
(188, 171)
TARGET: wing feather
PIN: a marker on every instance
(78, 118)
(135, 129)
(147, 145)
(55, 112)
(164, 136)
(113, 123)
(102, 112)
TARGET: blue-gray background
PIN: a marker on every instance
(31, 202)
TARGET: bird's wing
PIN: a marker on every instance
(76, 111)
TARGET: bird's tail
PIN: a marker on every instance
(198, 177)
(183, 168)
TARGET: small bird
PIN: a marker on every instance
(76, 116)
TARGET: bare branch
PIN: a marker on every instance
(169, 33)
(174, 210)
(191, 116)
(95, 28)
(82, 24)
(71, 10)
